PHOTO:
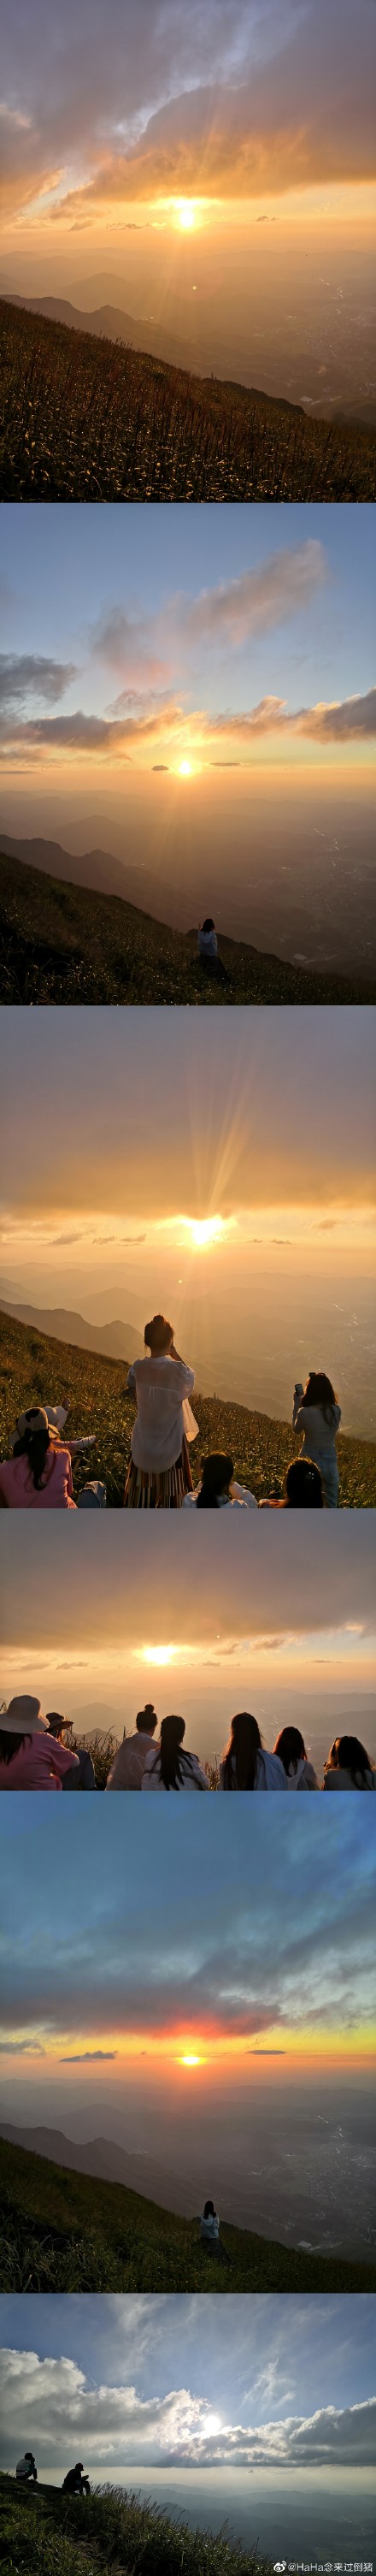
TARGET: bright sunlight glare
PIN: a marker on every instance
(190, 2061)
(205, 1230)
(185, 769)
(158, 1654)
(185, 209)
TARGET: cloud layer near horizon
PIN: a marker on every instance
(115, 2424)
(128, 109)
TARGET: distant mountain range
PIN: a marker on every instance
(109, 2163)
(98, 870)
(115, 1341)
(110, 322)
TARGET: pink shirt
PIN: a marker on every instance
(20, 1493)
(37, 1765)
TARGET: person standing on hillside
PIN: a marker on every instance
(316, 1413)
(159, 1472)
(129, 1761)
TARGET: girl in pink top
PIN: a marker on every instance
(30, 1758)
(39, 1473)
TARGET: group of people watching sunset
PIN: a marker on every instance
(33, 1755)
(38, 1472)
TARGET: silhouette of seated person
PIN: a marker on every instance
(209, 2233)
(75, 2483)
(26, 2472)
(208, 951)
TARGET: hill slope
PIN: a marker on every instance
(88, 420)
(49, 2534)
(36, 1369)
(62, 943)
(62, 2230)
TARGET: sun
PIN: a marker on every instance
(190, 2061)
(206, 1230)
(158, 1654)
(185, 210)
(185, 769)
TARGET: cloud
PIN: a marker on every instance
(292, 101)
(117, 2425)
(256, 600)
(25, 675)
(86, 2056)
(352, 720)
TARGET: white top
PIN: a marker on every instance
(162, 1387)
(129, 1761)
(193, 1776)
(269, 1773)
(208, 943)
(343, 1780)
(319, 1436)
(239, 1499)
(304, 1777)
(210, 2226)
(24, 2469)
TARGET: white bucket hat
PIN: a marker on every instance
(23, 1717)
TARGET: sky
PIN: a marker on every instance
(270, 2383)
(296, 1615)
(185, 1947)
(200, 161)
(246, 637)
(178, 1174)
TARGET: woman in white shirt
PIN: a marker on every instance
(291, 1751)
(209, 2232)
(159, 1470)
(244, 1764)
(218, 1487)
(316, 1413)
(167, 1767)
(348, 1765)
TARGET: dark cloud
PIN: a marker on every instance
(25, 675)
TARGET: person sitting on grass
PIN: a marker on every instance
(208, 951)
(129, 1760)
(38, 1475)
(290, 1748)
(303, 1489)
(244, 1764)
(167, 1767)
(26, 2471)
(209, 2233)
(316, 1413)
(81, 1774)
(219, 1486)
(30, 1757)
(75, 2483)
(348, 1765)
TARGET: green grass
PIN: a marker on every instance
(62, 943)
(35, 1369)
(64, 2231)
(85, 419)
(48, 2534)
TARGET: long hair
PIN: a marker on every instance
(245, 1743)
(216, 1474)
(158, 1335)
(319, 1390)
(168, 1754)
(347, 1754)
(290, 1747)
(9, 1745)
(209, 2211)
(34, 1446)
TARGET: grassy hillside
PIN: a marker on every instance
(35, 1369)
(65, 2231)
(44, 2533)
(89, 420)
(60, 943)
